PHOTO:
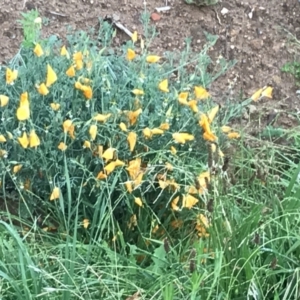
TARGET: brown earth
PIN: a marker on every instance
(252, 32)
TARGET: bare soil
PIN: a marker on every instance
(253, 32)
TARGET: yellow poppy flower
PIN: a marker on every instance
(128, 185)
(110, 167)
(131, 138)
(138, 92)
(101, 175)
(87, 92)
(152, 59)
(93, 132)
(51, 76)
(55, 194)
(267, 92)
(67, 125)
(130, 54)
(3, 100)
(17, 168)
(34, 140)
(163, 86)
(2, 138)
(256, 96)
(157, 131)
(173, 150)
(42, 89)
(123, 127)
(85, 223)
(23, 140)
(62, 146)
(233, 135)
(109, 154)
(212, 113)
(147, 133)
(134, 168)
(201, 93)
(78, 56)
(138, 201)
(11, 76)
(101, 118)
(87, 144)
(38, 50)
(189, 201)
(64, 52)
(164, 126)
(24, 99)
(174, 203)
(193, 105)
(181, 137)
(78, 64)
(134, 36)
(23, 113)
(71, 71)
(226, 129)
(182, 98)
(209, 136)
(78, 85)
(55, 106)
(133, 115)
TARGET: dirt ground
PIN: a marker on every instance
(253, 32)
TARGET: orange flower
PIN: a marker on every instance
(133, 115)
(62, 146)
(182, 98)
(71, 71)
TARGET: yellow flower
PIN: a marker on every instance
(209, 136)
(128, 185)
(163, 86)
(23, 113)
(79, 64)
(55, 194)
(157, 131)
(182, 98)
(34, 140)
(173, 150)
(131, 138)
(109, 154)
(147, 133)
(138, 201)
(164, 126)
(212, 113)
(201, 93)
(38, 51)
(24, 141)
(78, 85)
(9, 135)
(64, 52)
(174, 203)
(11, 76)
(267, 92)
(130, 54)
(24, 99)
(55, 106)
(169, 166)
(87, 144)
(226, 129)
(152, 59)
(17, 168)
(134, 36)
(3, 100)
(256, 96)
(93, 132)
(189, 201)
(233, 135)
(101, 118)
(123, 127)
(42, 89)
(181, 137)
(193, 105)
(101, 175)
(85, 223)
(67, 125)
(78, 56)
(2, 138)
(133, 115)
(51, 76)
(138, 92)
(71, 71)
(62, 146)
(87, 92)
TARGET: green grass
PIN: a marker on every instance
(250, 246)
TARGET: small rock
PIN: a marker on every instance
(155, 17)
(224, 11)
